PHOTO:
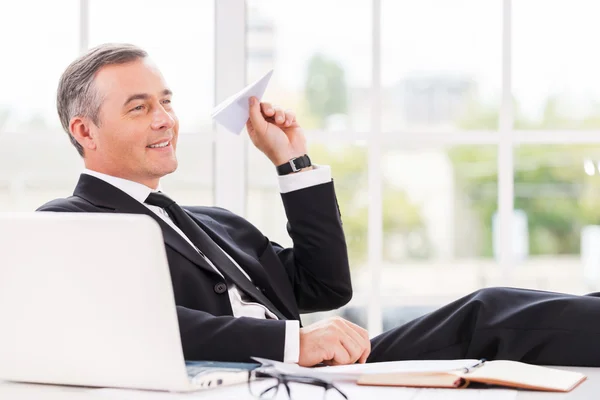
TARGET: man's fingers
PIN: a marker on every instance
(359, 339)
(249, 127)
(256, 117)
(362, 332)
(279, 116)
(340, 355)
(360, 335)
(261, 114)
(365, 355)
(352, 346)
(267, 109)
(290, 117)
(334, 342)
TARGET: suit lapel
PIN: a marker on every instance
(253, 266)
(110, 198)
(105, 195)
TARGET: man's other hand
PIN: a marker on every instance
(333, 341)
(275, 132)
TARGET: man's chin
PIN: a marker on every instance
(171, 169)
(165, 170)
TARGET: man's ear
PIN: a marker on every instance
(83, 131)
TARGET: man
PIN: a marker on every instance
(239, 295)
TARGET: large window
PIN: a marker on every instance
(557, 191)
(320, 73)
(37, 161)
(485, 115)
(439, 204)
(555, 65)
(440, 66)
(323, 74)
(469, 199)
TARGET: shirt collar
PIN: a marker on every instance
(136, 190)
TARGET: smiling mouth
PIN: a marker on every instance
(159, 145)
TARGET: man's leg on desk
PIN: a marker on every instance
(501, 323)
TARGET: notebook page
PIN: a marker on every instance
(527, 374)
(399, 366)
(352, 372)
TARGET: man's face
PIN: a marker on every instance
(136, 121)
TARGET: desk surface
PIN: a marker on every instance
(17, 391)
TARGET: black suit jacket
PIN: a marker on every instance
(312, 276)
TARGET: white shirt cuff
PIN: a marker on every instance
(291, 351)
(318, 175)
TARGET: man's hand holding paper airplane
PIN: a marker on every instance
(275, 132)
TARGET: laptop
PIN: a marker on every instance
(86, 299)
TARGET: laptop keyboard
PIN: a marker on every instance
(194, 368)
(210, 374)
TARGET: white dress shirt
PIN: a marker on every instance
(240, 304)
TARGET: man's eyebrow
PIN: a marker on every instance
(139, 96)
(145, 96)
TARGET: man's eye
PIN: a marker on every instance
(167, 101)
(138, 108)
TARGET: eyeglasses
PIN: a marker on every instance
(261, 388)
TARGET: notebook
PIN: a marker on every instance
(500, 372)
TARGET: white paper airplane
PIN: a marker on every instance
(234, 112)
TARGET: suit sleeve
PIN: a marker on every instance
(317, 264)
(226, 338)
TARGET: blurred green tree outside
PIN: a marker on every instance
(326, 95)
(550, 184)
(325, 89)
(551, 187)
(400, 216)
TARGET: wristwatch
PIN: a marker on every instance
(294, 165)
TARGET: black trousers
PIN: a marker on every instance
(501, 323)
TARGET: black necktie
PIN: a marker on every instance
(208, 247)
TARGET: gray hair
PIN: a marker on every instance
(76, 95)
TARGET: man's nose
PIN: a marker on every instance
(161, 119)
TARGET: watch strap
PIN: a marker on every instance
(294, 165)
